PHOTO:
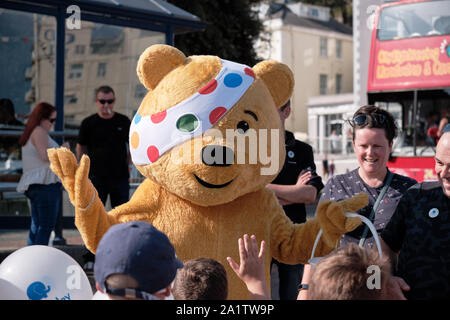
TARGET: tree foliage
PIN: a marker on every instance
(232, 27)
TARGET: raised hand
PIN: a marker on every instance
(251, 269)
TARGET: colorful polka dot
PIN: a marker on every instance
(216, 114)
(232, 80)
(152, 153)
(210, 87)
(134, 140)
(137, 118)
(158, 117)
(187, 123)
(249, 72)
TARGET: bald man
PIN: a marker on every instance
(418, 234)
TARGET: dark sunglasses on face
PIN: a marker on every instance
(363, 119)
(52, 120)
(110, 101)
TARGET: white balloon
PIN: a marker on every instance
(8, 291)
(100, 296)
(45, 273)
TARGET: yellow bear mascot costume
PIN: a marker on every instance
(200, 189)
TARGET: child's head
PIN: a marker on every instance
(350, 273)
(201, 279)
(135, 260)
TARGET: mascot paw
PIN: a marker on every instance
(64, 164)
(73, 177)
(332, 217)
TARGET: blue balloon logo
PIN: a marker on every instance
(37, 291)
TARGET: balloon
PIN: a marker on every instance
(8, 291)
(100, 296)
(43, 273)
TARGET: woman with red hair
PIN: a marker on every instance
(38, 182)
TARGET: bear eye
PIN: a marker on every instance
(242, 127)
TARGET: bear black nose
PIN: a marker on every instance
(219, 156)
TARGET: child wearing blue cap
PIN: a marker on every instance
(135, 260)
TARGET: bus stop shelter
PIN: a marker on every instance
(59, 51)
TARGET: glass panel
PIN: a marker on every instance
(323, 47)
(100, 54)
(431, 107)
(27, 76)
(339, 83)
(338, 49)
(414, 20)
(323, 84)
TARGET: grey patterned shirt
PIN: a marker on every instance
(345, 186)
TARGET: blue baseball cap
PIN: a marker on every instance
(446, 128)
(141, 251)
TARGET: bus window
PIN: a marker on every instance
(414, 20)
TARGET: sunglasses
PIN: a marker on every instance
(363, 119)
(110, 101)
(52, 120)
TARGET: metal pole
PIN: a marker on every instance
(414, 122)
(170, 35)
(59, 70)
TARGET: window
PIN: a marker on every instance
(323, 47)
(338, 49)
(101, 70)
(79, 49)
(70, 99)
(140, 91)
(339, 83)
(323, 84)
(313, 12)
(76, 71)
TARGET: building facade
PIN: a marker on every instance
(317, 48)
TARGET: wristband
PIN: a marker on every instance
(90, 203)
(303, 286)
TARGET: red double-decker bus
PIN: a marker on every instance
(409, 75)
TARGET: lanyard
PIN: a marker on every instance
(375, 206)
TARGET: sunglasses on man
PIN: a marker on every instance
(110, 101)
(52, 120)
(363, 119)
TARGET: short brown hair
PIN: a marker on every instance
(105, 90)
(343, 275)
(201, 279)
(374, 115)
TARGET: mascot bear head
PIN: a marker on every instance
(208, 130)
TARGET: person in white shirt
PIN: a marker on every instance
(38, 182)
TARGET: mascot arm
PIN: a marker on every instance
(293, 243)
(91, 218)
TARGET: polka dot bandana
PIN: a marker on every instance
(151, 136)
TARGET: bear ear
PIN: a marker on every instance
(157, 61)
(278, 78)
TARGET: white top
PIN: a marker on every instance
(35, 171)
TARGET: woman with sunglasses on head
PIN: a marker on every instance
(374, 130)
(38, 182)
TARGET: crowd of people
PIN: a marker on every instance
(137, 261)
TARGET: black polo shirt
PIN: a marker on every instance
(420, 230)
(299, 156)
(107, 145)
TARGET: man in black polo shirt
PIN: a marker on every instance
(296, 184)
(103, 137)
(419, 234)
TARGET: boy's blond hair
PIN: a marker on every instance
(344, 275)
